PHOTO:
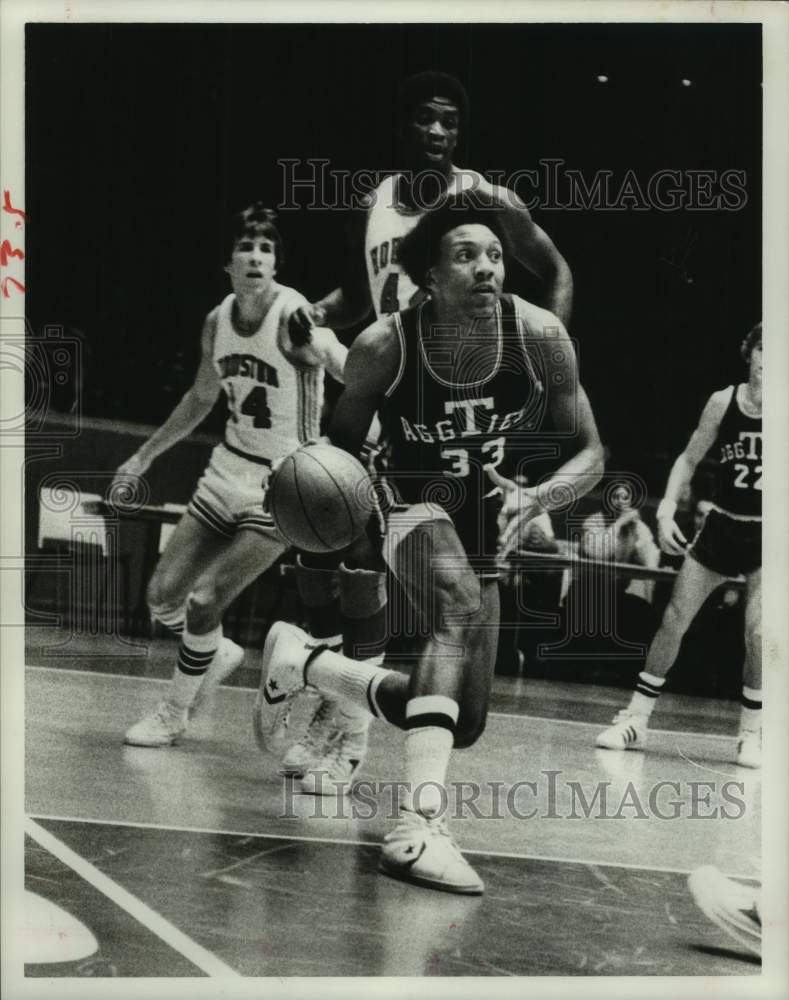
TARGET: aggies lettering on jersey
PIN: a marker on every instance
(737, 453)
(274, 407)
(443, 422)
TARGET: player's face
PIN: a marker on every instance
(253, 263)
(755, 364)
(432, 133)
(470, 273)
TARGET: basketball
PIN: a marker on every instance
(320, 497)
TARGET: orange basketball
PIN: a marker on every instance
(321, 498)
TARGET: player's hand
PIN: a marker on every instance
(520, 504)
(124, 486)
(670, 538)
(301, 323)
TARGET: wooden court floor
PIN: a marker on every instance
(199, 860)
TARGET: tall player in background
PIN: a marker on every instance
(432, 110)
(728, 543)
(226, 540)
(461, 382)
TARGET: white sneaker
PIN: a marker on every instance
(282, 676)
(313, 744)
(732, 906)
(334, 771)
(749, 748)
(421, 850)
(628, 732)
(228, 658)
(159, 729)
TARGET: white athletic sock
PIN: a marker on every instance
(430, 735)
(646, 693)
(751, 710)
(195, 654)
(352, 682)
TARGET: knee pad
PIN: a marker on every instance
(362, 592)
(318, 586)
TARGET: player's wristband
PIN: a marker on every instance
(666, 508)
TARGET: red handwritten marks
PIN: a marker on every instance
(7, 250)
(8, 207)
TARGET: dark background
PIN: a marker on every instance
(142, 139)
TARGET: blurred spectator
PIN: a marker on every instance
(623, 537)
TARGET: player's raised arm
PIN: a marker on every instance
(670, 537)
(370, 369)
(195, 405)
(535, 250)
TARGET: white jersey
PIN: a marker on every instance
(274, 406)
(388, 221)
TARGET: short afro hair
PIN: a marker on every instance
(753, 339)
(421, 248)
(255, 220)
(422, 86)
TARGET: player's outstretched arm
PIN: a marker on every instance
(535, 250)
(321, 349)
(370, 369)
(670, 538)
(194, 407)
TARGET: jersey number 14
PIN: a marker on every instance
(254, 404)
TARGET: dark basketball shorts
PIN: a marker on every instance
(475, 523)
(727, 545)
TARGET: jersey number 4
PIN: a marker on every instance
(254, 404)
(389, 301)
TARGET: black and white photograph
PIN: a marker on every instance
(383, 492)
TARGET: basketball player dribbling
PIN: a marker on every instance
(459, 381)
(728, 543)
(432, 110)
(226, 540)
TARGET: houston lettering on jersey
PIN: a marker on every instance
(385, 253)
(248, 366)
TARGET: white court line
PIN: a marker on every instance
(491, 715)
(518, 856)
(149, 918)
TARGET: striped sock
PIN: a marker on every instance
(195, 654)
(350, 681)
(751, 710)
(646, 693)
(430, 722)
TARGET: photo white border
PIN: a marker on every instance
(774, 981)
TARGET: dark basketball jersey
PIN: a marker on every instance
(737, 453)
(456, 407)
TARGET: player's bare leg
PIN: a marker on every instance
(692, 587)
(749, 739)
(434, 571)
(205, 658)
